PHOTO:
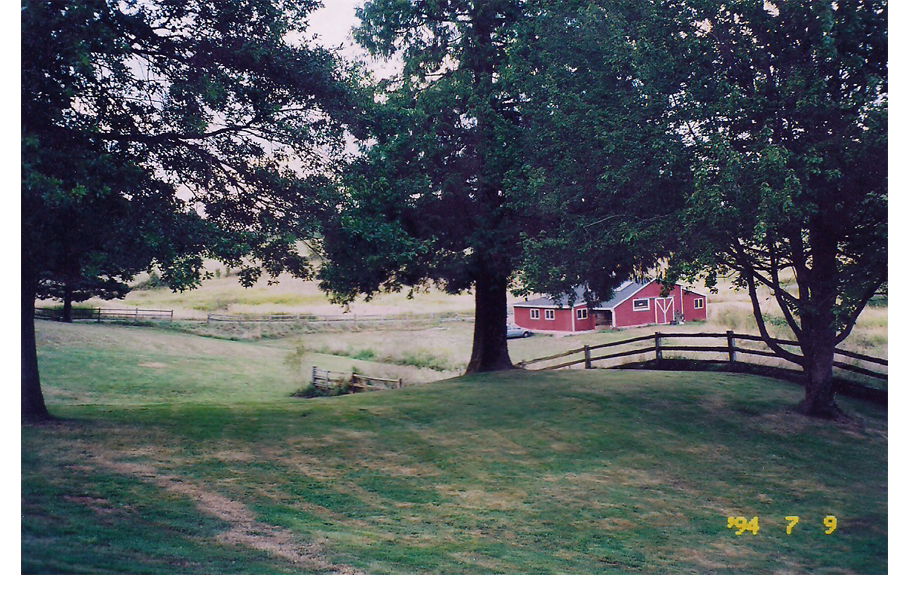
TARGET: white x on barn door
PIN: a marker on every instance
(663, 310)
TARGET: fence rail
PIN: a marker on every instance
(660, 347)
(364, 383)
(105, 314)
(327, 380)
(345, 320)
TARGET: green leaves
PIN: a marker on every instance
(789, 122)
(603, 169)
(126, 104)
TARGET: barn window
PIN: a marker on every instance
(549, 314)
(535, 314)
(581, 314)
(699, 303)
(641, 304)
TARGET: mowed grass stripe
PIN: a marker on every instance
(522, 472)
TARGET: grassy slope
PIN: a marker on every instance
(178, 453)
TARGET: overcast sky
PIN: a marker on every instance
(334, 21)
(332, 27)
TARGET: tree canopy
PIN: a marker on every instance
(508, 133)
(426, 200)
(164, 131)
(786, 108)
(603, 168)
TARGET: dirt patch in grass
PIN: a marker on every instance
(438, 438)
(66, 396)
(104, 508)
(714, 404)
(717, 556)
(481, 560)
(704, 560)
(392, 465)
(233, 456)
(615, 524)
(477, 498)
(708, 452)
(311, 466)
(492, 441)
(783, 422)
(802, 488)
(153, 365)
(244, 529)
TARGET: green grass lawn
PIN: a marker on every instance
(175, 453)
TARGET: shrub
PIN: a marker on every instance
(154, 282)
(366, 355)
(879, 301)
(311, 391)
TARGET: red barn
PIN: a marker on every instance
(549, 314)
(633, 304)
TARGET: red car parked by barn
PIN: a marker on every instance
(633, 304)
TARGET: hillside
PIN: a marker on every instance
(176, 453)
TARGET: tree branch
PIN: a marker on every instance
(780, 293)
(762, 329)
(851, 319)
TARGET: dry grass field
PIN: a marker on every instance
(728, 309)
(427, 351)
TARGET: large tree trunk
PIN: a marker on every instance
(33, 408)
(818, 344)
(67, 303)
(819, 325)
(818, 367)
(819, 374)
(491, 349)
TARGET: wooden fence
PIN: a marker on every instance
(327, 380)
(661, 343)
(103, 314)
(343, 321)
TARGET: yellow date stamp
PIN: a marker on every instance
(743, 525)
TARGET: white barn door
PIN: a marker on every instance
(663, 310)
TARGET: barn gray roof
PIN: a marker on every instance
(623, 292)
(562, 301)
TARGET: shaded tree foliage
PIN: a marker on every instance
(513, 128)
(603, 168)
(426, 200)
(786, 109)
(159, 132)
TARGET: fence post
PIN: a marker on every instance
(731, 347)
(658, 354)
(587, 357)
(400, 383)
(99, 314)
(314, 376)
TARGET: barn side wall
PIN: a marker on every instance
(691, 314)
(586, 324)
(562, 321)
